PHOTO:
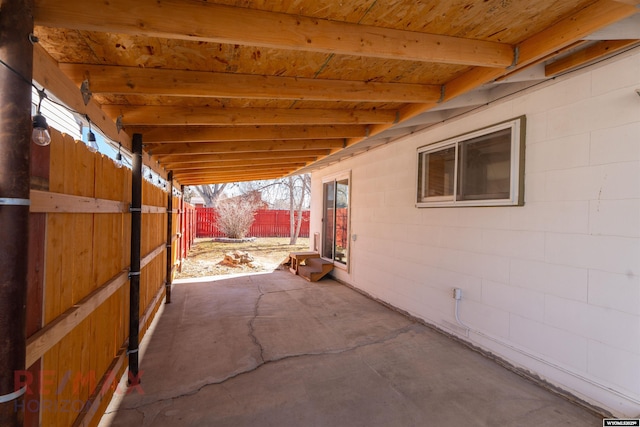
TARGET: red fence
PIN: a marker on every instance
(268, 223)
(342, 227)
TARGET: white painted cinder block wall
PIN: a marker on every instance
(553, 286)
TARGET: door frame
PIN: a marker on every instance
(340, 176)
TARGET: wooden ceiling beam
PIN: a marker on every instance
(228, 179)
(210, 179)
(246, 164)
(139, 115)
(209, 22)
(244, 146)
(221, 180)
(588, 54)
(159, 82)
(538, 47)
(225, 169)
(574, 28)
(231, 176)
(232, 157)
(580, 44)
(179, 134)
(236, 171)
(236, 174)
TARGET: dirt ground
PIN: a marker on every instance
(268, 252)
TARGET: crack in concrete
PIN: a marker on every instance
(382, 340)
(262, 362)
(279, 291)
(138, 410)
(393, 335)
(252, 334)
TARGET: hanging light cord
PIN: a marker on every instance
(42, 94)
(40, 91)
(13, 70)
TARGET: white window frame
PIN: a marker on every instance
(516, 186)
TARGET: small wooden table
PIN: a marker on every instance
(298, 257)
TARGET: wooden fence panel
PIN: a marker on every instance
(112, 230)
(70, 258)
(86, 293)
(154, 229)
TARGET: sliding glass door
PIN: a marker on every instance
(335, 221)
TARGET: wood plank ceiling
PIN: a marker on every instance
(234, 90)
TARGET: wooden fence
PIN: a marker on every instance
(78, 293)
(187, 229)
(268, 223)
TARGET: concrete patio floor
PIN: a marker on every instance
(275, 350)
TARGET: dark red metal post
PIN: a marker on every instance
(40, 160)
(16, 24)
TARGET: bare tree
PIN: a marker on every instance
(211, 193)
(299, 187)
(271, 189)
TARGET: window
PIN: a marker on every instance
(482, 168)
(335, 220)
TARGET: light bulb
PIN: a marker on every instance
(118, 160)
(40, 134)
(92, 145)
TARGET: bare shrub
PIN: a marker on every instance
(235, 216)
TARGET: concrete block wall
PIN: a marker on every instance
(552, 286)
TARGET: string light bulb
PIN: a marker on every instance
(92, 145)
(40, 134)
(118, 161)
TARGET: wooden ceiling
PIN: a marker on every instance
(234, 90)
